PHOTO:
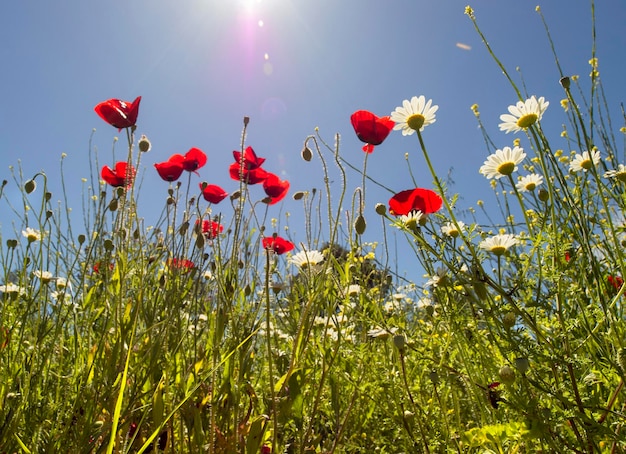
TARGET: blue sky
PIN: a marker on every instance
(291, 66)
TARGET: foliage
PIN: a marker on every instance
(205, 333)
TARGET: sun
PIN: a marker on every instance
(249, 6)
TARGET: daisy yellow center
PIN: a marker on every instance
(453, 233)
(506, 168)
(530, 186)
(527, 120)
(411, 223)
(498, 250)
(416, 121)
(586, 164)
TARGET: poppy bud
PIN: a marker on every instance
(506, 374)
(298, 195)
(543, 195)
(381, 209)
(113, 205)
(522, 364)
(306, 154)
(360, 225)
(400, 342)
(246, 120)
(434, 377)
(11, 244)
(564, 81)
(509, 320)
(30, 186)
(108, 245)
(144, 144)
(81, 238)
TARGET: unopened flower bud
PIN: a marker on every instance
(246, 120)
(30, 186)
(306, 154)
(507, 375)
(522, 364)
(434, 377)
(543, 195)
(564, 81)
(509, 320)
(399, 341)
(360, 225)
(381, 209)
(298, 195)
(144, 144)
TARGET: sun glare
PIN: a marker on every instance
(249, 5)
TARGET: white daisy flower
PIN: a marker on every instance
(31, 234)
(414, 115)
(529, 183)
(306, 258)
(452, 230)
(43, 276)
(11, 288)
(62, 283)
(523, 114)
(619, 173)
(381, 333)
(353, 290)
(436, 279)
(499, 244)
(584, 161)
(412, 220)
(503, 162)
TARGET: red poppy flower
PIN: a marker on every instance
(250, 176)
(212, 193)
(170, 170)
(193, 160)
(249, 157)
(615, 281)
(180, 264)
(120, 176)
(424, 200)
(371, 129)
(118, 113)
(275, 188)
(211, 229)
(277, 244)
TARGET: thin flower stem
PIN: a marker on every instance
(416, 409)
(268, 334)
(442, 193)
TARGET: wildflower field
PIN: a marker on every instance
(210, 329)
